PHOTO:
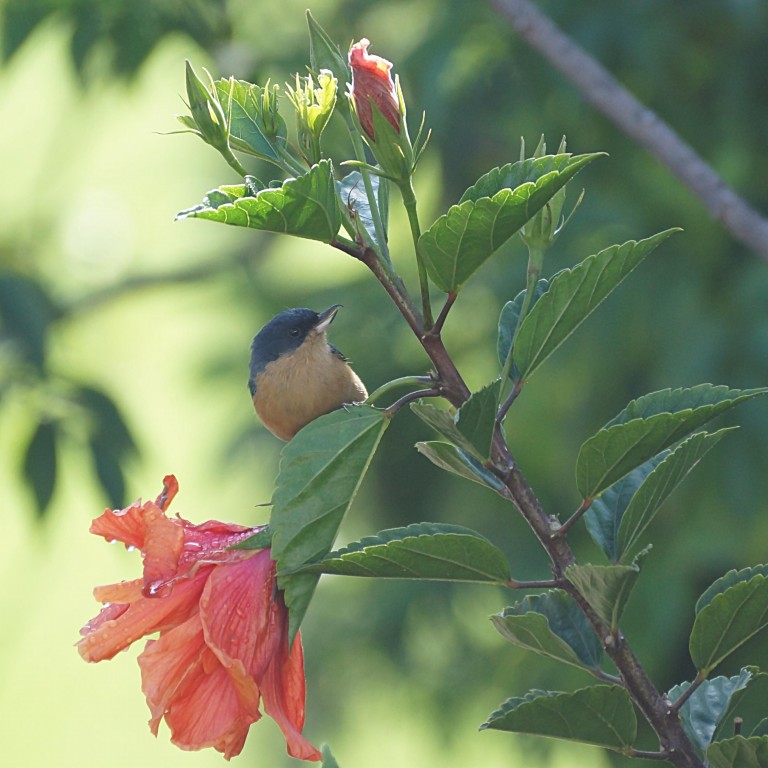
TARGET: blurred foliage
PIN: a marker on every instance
(694, 312)
(125, 33)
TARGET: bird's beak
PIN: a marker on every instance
(325, 318)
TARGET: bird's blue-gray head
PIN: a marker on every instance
(284, 334)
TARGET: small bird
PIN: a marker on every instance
(296, 374)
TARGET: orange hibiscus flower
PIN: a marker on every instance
(223, 629)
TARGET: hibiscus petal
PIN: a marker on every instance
(170, 489)
(213, 541)
(107, 613)
(122, 592)
(284, 691)
(163, 543)
(211, 708)
(126, 525)
(372, 82)
(241, 620)
(165, 662)
(143, 617)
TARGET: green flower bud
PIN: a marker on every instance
(207, 117)
(314, 107)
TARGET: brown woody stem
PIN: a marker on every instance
(676, 747)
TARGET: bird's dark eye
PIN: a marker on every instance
(293, 332)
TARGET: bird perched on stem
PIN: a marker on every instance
(296, 374)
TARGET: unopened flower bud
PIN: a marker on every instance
(372, 83)
(314, 107)
(207, 114)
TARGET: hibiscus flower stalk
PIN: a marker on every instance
(380, 112)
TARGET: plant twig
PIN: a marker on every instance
(646, 755)
(373, 201)
(573, 519)
(135, 283)
(511, 397)
(687, 693)
(440, 322)
(606, 677)
(409, 201)
(542, 584)
(409, 398)
(605, 93)
(403, 381)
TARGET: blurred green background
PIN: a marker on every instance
(124, 342)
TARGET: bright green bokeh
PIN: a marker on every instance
(89, 192)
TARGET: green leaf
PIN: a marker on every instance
(605, 513)
(739, 752)
(471, 428)
(513, 175)
(107, 420)
(109, 471)
(320, 472)
(453, 459)
(110, 442)
(716, 398)
(606, 587)
(329, 761)
(660, 484)
(305, 207)
(646, 427)
(26, 312)
(40, 465)
(325, 54)
(460, 241)
(709, 705)
(730, 619)
(352, 193)
(443, 421)
(601, 714)
(572, 296)
(241, 102)
(551, 625)
(476, 419)
(728, 580)
(510, 314)
(260, 540)
(420, 551)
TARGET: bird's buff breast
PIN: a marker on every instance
(298, 387)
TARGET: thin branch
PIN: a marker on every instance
(606, 677)
(573, 519)
(543, 584)
(440, 322)
(507, 404)
(410, 397)
(135, 283)
(645, 755)
(604, 92)
(698, 680)
(403, 381)
(409, 201)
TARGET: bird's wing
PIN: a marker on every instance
(338, 353)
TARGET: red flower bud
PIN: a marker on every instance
(372, 82)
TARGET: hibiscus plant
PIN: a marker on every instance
(228, 601)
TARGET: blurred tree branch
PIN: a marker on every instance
(193, 274)
(603, 91)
